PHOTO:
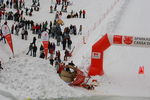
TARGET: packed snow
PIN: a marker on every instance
(25, 76)
(35, 78)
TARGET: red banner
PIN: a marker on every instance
(9, 41)
(45, 38)
(45, 44)
(7, 35)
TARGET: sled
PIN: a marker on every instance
(75, 78)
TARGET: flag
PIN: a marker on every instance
(7, 35)
(45, 39)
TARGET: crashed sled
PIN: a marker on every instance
(75, 78)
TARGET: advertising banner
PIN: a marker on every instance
(45, 39)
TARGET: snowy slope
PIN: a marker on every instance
(35, 78)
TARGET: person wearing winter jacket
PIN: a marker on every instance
(51, 9)
(51, 61)
(30, 49)
(71, 63)
(34, 40)
(12, 29)
(34, 50)
(22, 33)
(42, 55)
(69, 43)
(61, 68)
(80, 30)
(58, 38)
(84, 12)
(80, 13)
(64, 44)
(26, 34)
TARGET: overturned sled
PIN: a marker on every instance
(75, 78)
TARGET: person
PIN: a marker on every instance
(41, 48)
(34, 50)
(80, 30)
(51, 9)
(25, 34)
(62, 8)
(56, 65)
(64, 44)
(84, 13)
(80, 13)
(51, 61)
(42, 55)
(66, 55)
(61, 68)
(22, 33)
(12, 29)
(58, 54)
(65, 9)
(71, 63)
(55, 8)
(30, 49)
(69, 43)
(1, 68)
(34, 40)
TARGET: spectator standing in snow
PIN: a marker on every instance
(12, 29)
(80, 30)
(26, 34)
(10, 3)
(84, 12)
(42, 55)
(7, 4)
(1, 68)
(58, 55)
(17, 29)
(22, 33)
(64, 44)
(65, 9)
(30, 49)
(51, 61)
(69, 43)
(51, 9)
(34, 40)
(34, 50)
(55, 8)
(80, 13)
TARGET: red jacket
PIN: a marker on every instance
(84, 12)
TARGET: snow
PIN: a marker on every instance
(24, 76)
(35, 78)
(4, 98)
